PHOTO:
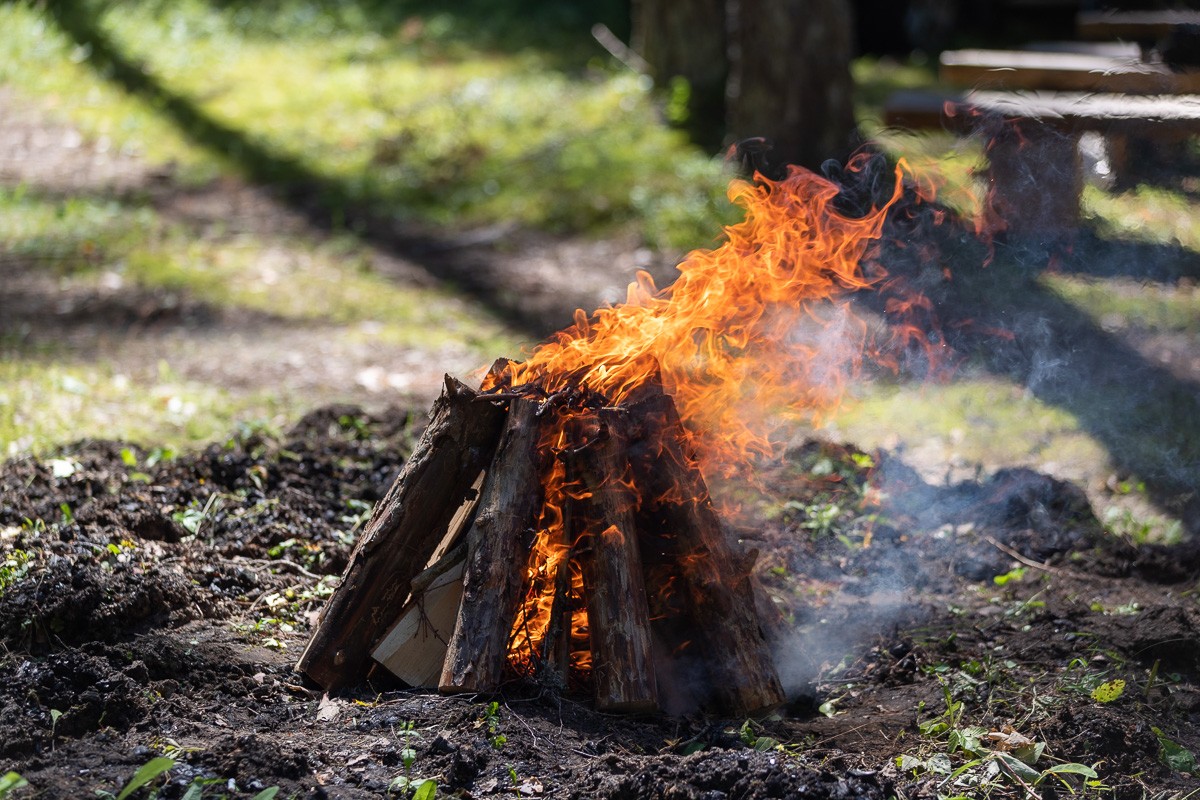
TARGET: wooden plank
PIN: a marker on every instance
(1129, 50)
(497, 549)
(1018, 69)
(1089, 110)
(415, 648)
(962, 112)
(1135, 25)
(405, 528)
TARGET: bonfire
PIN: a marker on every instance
(556, 523)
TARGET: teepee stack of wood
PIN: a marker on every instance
(433, 589)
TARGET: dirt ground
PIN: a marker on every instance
(153, 605)
(158, 608)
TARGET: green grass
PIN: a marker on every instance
(405, 124)
(45, 404)
(1148, 214)
(1123, 303)
(974, 420)
(49, 395)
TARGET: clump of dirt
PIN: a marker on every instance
(935, 641)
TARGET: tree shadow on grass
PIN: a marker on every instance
(1098, 256)
(558, 30)
(1000, 317)
(327, 203)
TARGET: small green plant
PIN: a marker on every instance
(10, 782)
(749, 734)
(193, 517)
(1174, 755)
(406, 785)
(1013, 575)
(149, 772)
(1082, 678)
(491, 720)
(13, 568)
(55, 715)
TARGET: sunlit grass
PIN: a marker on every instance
(1121, 303)
(392, 122)
(1147, 214)
(49, 397)
(47, 404)
(972, 421)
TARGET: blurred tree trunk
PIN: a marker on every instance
(777, 69)
(790, 78)
(687, 39)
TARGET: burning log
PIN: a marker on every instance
(618, 614)
(720, 584)
(405, 530)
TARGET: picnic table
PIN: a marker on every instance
(1071, 72)
(1034, 105)
(1137, 26)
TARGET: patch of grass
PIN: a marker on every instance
(47, 404)
(68, 232)
(394, 123)
(49, 397)
(1119, 304)
(1146, 214)
(976, 420)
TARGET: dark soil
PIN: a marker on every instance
(153, 606)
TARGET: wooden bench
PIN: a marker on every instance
(1137, 26)
(1020, 69)
(1035, 172)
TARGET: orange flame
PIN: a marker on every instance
(731, 327)
(763, 318)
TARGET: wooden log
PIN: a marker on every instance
(497, 548)
(618, 615)
(719, 581)
(405, 528)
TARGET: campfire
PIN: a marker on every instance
(556, 525)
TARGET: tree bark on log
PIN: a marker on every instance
(719, 581)
(618, 615)
(405, 529)
(497, 548)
